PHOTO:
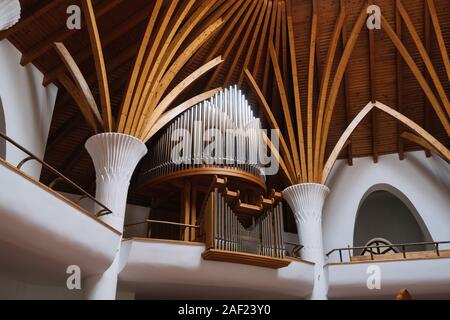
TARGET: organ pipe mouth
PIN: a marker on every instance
(221, 132)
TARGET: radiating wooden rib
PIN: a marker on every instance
(174, 69)
(253, 41)
(150, 78)
(284, 42)
(286, 111)
(241, 5)
(270, 119)
(338, 79)
(415, 70)
(83, 55)
(243, 43)
(347, 92)
(439, 147)
(181, 36)
(318, 62)
(426, 103)
(170, 97)
(296, 91)
(424, 144)
(439, 37)
(79, 79)
(99, 60)
(40, 9)
(426, 58)
(137, 66)
(273, 23)
(173, 113)
(373, 91)
(399, 77)
(80, 100)
(237, 36)
(136, 105)
(280, 160)
(309, 121)
(343, 140)
(324, 88)
(262, 39)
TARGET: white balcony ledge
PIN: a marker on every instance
(162, 269)
(424, 278)
(42, 232)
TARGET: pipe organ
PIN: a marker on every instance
(201, 156)
(221, 132)
(264, 237)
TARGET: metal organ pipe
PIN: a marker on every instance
(227, 111)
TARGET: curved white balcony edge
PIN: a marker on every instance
(176, 270)
(425, 278)
(42, 222)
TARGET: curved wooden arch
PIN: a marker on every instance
(427, 137)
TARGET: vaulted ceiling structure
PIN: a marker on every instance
(313, 60)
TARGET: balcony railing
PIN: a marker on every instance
(60, 177)
(437, 252)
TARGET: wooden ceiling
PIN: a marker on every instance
(376, 71)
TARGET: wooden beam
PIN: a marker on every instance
(324, 88)
(424, 144)
(309, 121)
(46, 44)
(273, 23)
(347, 92)
(99, 64)
(270, 119)
(259, 12)
(237, 35)
(37, 11)
(80, 100)
(82, 55)
(135, 110)
(276, 154)
(338, 79)
(172, 95)
(373, 91)
(439, 36)
(399, 71)
(155, 97)
(428, 138)
(426, 58)
(286, 111)
(262, 39)
(426, 103)
(296, 91)
(80, 81)
(418, 75)
(173, 113)
(255, 37)
(343, 140)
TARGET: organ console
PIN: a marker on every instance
(210, 154)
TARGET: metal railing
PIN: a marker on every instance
(168, 223)
(85, 195)
(403, 246)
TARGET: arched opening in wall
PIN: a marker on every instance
(387, 217)
(2, 130)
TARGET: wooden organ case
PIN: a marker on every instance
(207, 160)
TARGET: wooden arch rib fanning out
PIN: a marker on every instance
(303, 159)
(146, 104)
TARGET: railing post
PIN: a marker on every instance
(340, 256)
(437, 249)
(404, 251)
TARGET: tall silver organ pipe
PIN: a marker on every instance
(221, 132)
(265, 237)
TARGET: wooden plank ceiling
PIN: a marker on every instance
(376, 70)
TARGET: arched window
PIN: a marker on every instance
(2, 130)
(384, 219)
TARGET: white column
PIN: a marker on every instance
(306, 201)
(115, 158)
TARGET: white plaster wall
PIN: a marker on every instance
(424, 181)
(28, 107)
